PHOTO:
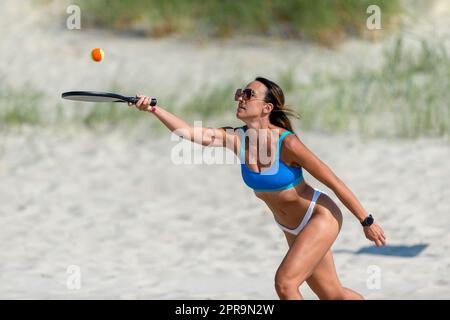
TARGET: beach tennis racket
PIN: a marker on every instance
(94, 96)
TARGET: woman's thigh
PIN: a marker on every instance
(310, 245)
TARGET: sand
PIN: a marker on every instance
(140, 227)
(114, 205)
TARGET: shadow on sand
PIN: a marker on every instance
(389, 250)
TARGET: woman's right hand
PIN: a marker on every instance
(143, 103)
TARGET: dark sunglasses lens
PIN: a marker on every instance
(247, 94)
(238, 94)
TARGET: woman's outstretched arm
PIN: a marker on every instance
(214, 137)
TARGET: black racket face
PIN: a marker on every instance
(91, 96)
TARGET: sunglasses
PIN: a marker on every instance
(245, 94)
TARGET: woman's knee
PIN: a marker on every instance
(285, 284)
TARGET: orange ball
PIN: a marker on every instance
(97, 54)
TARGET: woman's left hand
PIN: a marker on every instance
(376, 234)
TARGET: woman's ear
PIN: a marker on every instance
(268, 107)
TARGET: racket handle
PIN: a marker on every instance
(153, 101)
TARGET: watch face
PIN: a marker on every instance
(368, 221)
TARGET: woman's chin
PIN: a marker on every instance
(240, 115)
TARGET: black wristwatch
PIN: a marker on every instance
(367, 221)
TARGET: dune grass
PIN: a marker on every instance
(212, 102)
(19, 107)
(322, 20)
(406, 97)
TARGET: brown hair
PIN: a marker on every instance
(275, 96)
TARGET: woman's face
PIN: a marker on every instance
(251, 101)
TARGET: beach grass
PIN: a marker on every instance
(321, 20)
(406, 97)
(19, 107)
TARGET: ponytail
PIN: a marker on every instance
(279, 114)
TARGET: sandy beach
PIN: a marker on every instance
(140, 227)
(112, 205)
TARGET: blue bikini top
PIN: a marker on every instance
(278, 177)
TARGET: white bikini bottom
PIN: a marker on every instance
(307, 216)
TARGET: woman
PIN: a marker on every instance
(309, 218)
